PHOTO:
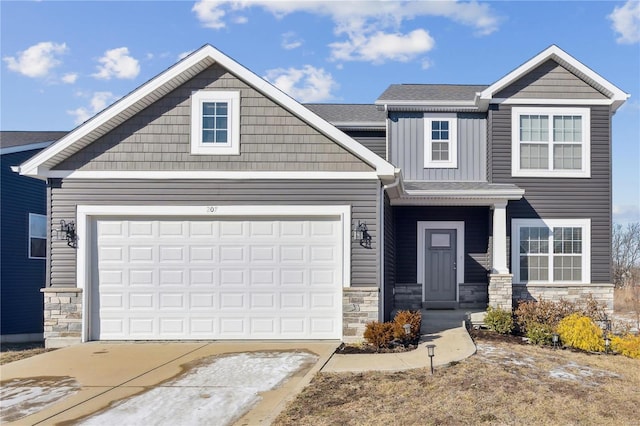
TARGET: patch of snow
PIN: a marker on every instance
(215, 392)
(23, 397)
(582, 373)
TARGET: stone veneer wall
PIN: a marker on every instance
(574, 293)
(359, 306)
(473, 295)
(62, 316)
(500, 291)
(407, 297)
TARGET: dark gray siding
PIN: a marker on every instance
(21, 278)
(360, 194)
(476, 239)
(389, 257)
(376, 141)
(550, 81)
(563, 197)
(406, 147)
(271, 138)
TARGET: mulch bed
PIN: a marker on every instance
(364, 348)
(492, 336)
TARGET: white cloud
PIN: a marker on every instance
(290, 40)
(117, 63)
(70, 78)
(626, 22)
(626, 213)
(380, 47)
(365, 23)
(98, 102)
(308, 84)
(38, 60)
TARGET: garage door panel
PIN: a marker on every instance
(218, 279)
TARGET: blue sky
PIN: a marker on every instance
(64, 61)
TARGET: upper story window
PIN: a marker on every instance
(551, 142)
(440, 141)
(37, 236)
(215, 122)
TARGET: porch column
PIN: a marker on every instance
(500, 238)
(500, 279)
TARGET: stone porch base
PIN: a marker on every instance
(62, 316)
(574, 293)
(360, 305)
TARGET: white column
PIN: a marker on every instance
(500, 238)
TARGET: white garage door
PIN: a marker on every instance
(217, 279)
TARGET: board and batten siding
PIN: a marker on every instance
(550, 80)
(375, 141)
(406, 147)
(476, 225)
(362, 195)
(158, 138)
(562, 198)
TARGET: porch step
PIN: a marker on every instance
(477, 319)
(440, 305)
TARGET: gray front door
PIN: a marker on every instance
(440, 265)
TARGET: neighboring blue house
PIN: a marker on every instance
(23, 238)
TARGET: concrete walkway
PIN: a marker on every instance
(445, 329)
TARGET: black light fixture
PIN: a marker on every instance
(67, 231)
(361, 233)
(554, 339)
(431, 351)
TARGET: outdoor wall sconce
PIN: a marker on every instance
(431, 351)
(361, 233)
(554, 339)
(67, 231)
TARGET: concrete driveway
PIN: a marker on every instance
(243, 383)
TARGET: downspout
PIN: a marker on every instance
(382, 228)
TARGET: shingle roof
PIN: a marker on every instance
(10, 139)
(349, 113)
(431, 92)
(457, 186)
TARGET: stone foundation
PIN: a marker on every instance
(500, 291)
(360, 305)
(574, 293)
(62, 316)
(407, 297)
(473, 295)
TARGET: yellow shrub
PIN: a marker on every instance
(379, 334)
(581, 332)
(628, 345)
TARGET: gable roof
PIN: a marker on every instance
(553, 52)
(18, 141)
(154, 89)
(366, 116)
(430, 92)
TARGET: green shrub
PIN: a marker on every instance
(413, 318)
(379, 334)
(499, 320)
(539, 334)
(581, 332)
(628, 345)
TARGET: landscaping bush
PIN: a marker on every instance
(539, 334)
(379, 334)
(551, 313)
(413, 318)
(581, 332)
(628, 345)
(499, 320)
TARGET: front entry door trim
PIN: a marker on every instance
(459, 227)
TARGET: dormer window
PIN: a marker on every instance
(215, 123)
(440, 141)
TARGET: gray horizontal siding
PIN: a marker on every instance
(376, 141)
(360, 194)
(550, 81)
(158, 138)
(406, 139)
(476, 239)
(564, 197)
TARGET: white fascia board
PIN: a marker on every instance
(515, 194)
(555, 53)
(205, 174)
(446, 201)
(384, 169)
(21, 148)
(546, 101)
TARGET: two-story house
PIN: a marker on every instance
(207, 204)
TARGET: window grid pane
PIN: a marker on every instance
(439, 130)
(440, 151)
(534, 128)
(567, 128)
(215, 122)
(534, 156)
(567, 157)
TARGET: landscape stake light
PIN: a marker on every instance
(554, 340)
(431, 349)
(607, 344)
(407, 329)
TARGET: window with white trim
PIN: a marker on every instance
(215, 122)
(551, 142)
(440, 141)
(37, 236)
(551, 250)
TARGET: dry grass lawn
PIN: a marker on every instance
(504, 383)
(10, 352)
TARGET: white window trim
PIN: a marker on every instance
(452, 163)
(585, 170)
(36, 236)
(232, 147)
(585, 224)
